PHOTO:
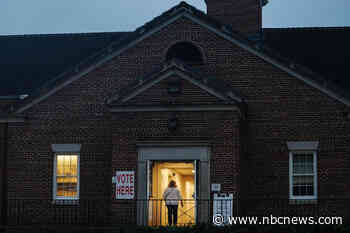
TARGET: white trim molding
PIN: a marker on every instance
(222, 33)
(65, 149)
(291, 176)
(176, 108)
(184, 76)
(201, 153)
(302, 145)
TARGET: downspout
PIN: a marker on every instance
(4, 177)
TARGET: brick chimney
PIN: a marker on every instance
(243, 15)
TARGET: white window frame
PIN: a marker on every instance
(306, 197)
(65, 149)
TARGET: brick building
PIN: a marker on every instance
(198, 98)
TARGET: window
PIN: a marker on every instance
(185, 52)
(302, 172)
(66, 172)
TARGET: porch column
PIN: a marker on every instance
(204, 190)
(142, 193)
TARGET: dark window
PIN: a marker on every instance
(185, 52)
(303, 174)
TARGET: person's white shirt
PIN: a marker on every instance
(172, 196)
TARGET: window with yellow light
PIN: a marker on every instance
(66, 176)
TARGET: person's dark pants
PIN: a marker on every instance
(172, 214)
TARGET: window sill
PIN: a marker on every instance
(302, 201)
(65, 202)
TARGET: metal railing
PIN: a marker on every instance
(59, 212)
(154, 212)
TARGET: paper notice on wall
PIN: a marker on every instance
(125, 185)
(222, 206)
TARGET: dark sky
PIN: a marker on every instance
(45, 16)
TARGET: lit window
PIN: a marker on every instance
(302, 172)
(66, 177)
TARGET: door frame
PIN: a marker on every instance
(172, 153)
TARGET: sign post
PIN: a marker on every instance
(125, 184)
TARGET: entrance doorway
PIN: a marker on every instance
(151, 159)
(159, 175)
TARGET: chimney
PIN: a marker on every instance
(243, 15)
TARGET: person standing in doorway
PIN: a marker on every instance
(172, 196)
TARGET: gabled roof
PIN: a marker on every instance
(27, 62)
(324, 50)
(262, 50)
(212, 85)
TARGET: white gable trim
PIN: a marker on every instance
(98, 64)
(274, 62)
(181, 75)
(181, 108)
(194, 19)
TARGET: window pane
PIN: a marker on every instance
(303, 164)
(67, 165)
(303, 186)
(67, 186)
(67, 180)
(60, 160)
(60, 190)
(74, 165)
(67, 175)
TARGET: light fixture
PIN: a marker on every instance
(174, 87)
(172, 124)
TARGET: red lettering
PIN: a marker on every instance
(125, 184)
(118, 178)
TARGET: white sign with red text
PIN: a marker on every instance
(125, 185)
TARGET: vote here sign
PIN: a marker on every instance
(125, 185)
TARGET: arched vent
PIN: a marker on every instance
(185, 52)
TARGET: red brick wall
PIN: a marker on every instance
(243, 15)
(2, 140)
(218, 128)
(280, 108)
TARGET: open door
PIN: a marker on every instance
(160, 174)
(153, 177)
